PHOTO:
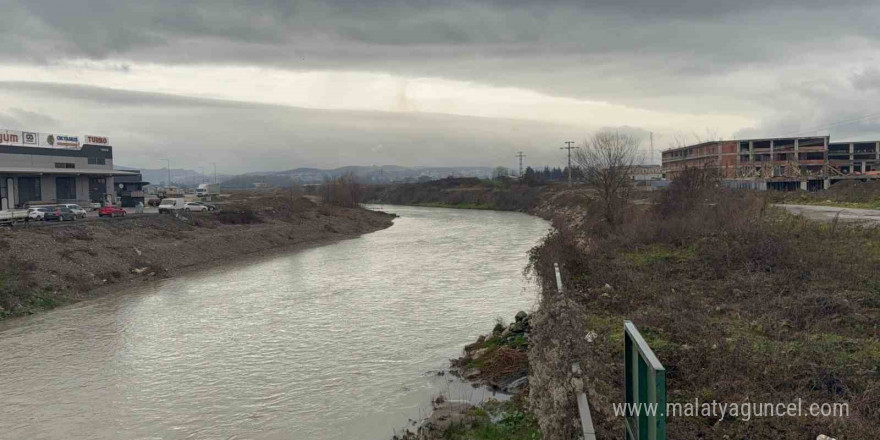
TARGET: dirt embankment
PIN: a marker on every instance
(742, 304)
(43, 267)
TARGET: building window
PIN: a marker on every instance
(97, 161)
(64, 165)
(29, 190)
(65, 188)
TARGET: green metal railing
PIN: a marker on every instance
(645, 388)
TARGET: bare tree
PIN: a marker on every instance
(606, 161)
(680, 139)
(343, 191)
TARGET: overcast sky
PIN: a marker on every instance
(276, 84)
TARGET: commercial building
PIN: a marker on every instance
(130, 189)
(45, 168)
(808, 163)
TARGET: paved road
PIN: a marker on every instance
(828, 213)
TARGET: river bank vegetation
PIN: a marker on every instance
(498, 361)
(741, 302)
(503, 194)
(49, 265)
(845, 194)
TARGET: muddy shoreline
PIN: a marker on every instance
(49, 267)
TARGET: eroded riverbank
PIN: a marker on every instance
(46, 267)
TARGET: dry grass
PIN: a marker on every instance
(849, 193)
(459, 192)
(740, 302)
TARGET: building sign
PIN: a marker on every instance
(49, 140)
(9, 137)
(95, 140)
(30, 138)
(59, 141)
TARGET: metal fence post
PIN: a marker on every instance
(645, 388)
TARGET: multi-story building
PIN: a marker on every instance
(42, 168)
(778, 163)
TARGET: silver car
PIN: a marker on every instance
(76, 209)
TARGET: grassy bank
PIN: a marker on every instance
(44, 267)
(464, 193)
(741, 303)
(845, 194)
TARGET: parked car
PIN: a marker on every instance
(45, 213)
(95, 206)
(81, 213)
(171, 205)
(38, 213)
(208, 205)
(195, 207)
(60, 213)
(111, 211)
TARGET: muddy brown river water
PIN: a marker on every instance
(340, 341)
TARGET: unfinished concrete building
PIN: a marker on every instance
(790, 163)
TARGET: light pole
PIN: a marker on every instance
(215, 171)
(202, 175)
(168, 167)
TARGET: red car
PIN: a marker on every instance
(110, 211)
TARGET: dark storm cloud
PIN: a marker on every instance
(795, 67)
(597, 49)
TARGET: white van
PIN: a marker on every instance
(171, 205)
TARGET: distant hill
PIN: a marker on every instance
(299, 176)
(180, 177)
(371, 174)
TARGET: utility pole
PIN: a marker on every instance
(202, 175)
(569, 148)
(520, 155)
(168, 167)
(651, 152)
(215, 171)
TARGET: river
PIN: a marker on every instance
(340, 341)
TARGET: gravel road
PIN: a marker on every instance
(828, 213)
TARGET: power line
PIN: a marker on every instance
(569, 148)
(837, 124)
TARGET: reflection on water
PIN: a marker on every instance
(331, 342)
